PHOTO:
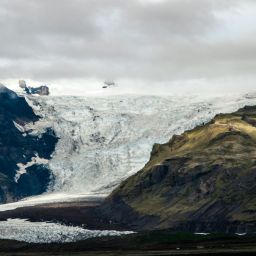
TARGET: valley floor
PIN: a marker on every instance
(153, 243)
(146, 243)
(77, 213)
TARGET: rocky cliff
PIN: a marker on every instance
(21, 174)
(202, 181)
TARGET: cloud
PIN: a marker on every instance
(136, 40)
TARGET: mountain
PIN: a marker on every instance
(201, 181)
(23, 154)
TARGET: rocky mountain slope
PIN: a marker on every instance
(23, 154)
(201, 181)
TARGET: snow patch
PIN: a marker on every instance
(19, 127)
(22, 167)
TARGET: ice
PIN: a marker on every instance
(102, 142)
(47, 232)
(105, 140)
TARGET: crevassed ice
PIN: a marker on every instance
(46, 232)
(105, 140)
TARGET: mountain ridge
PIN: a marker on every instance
(202, 180)
(20, 174)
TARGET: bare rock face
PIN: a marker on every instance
(41, 90)
(18, 147)
(201, 181)
(22, 84)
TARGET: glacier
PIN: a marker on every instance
(47, 232)
(103, 140)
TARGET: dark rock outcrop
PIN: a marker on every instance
(201, 181)
(41, 90)
(18, 146)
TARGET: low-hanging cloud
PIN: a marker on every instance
(149, 41)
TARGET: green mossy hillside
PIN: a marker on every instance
(205, 175)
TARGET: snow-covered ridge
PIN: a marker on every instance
(46, 232)
(105, 140)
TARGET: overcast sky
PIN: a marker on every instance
(155, 46)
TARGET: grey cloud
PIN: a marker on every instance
(166, 40)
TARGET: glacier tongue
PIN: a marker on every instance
(104, 140)
(47, 232)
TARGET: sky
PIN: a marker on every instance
(145, 46)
